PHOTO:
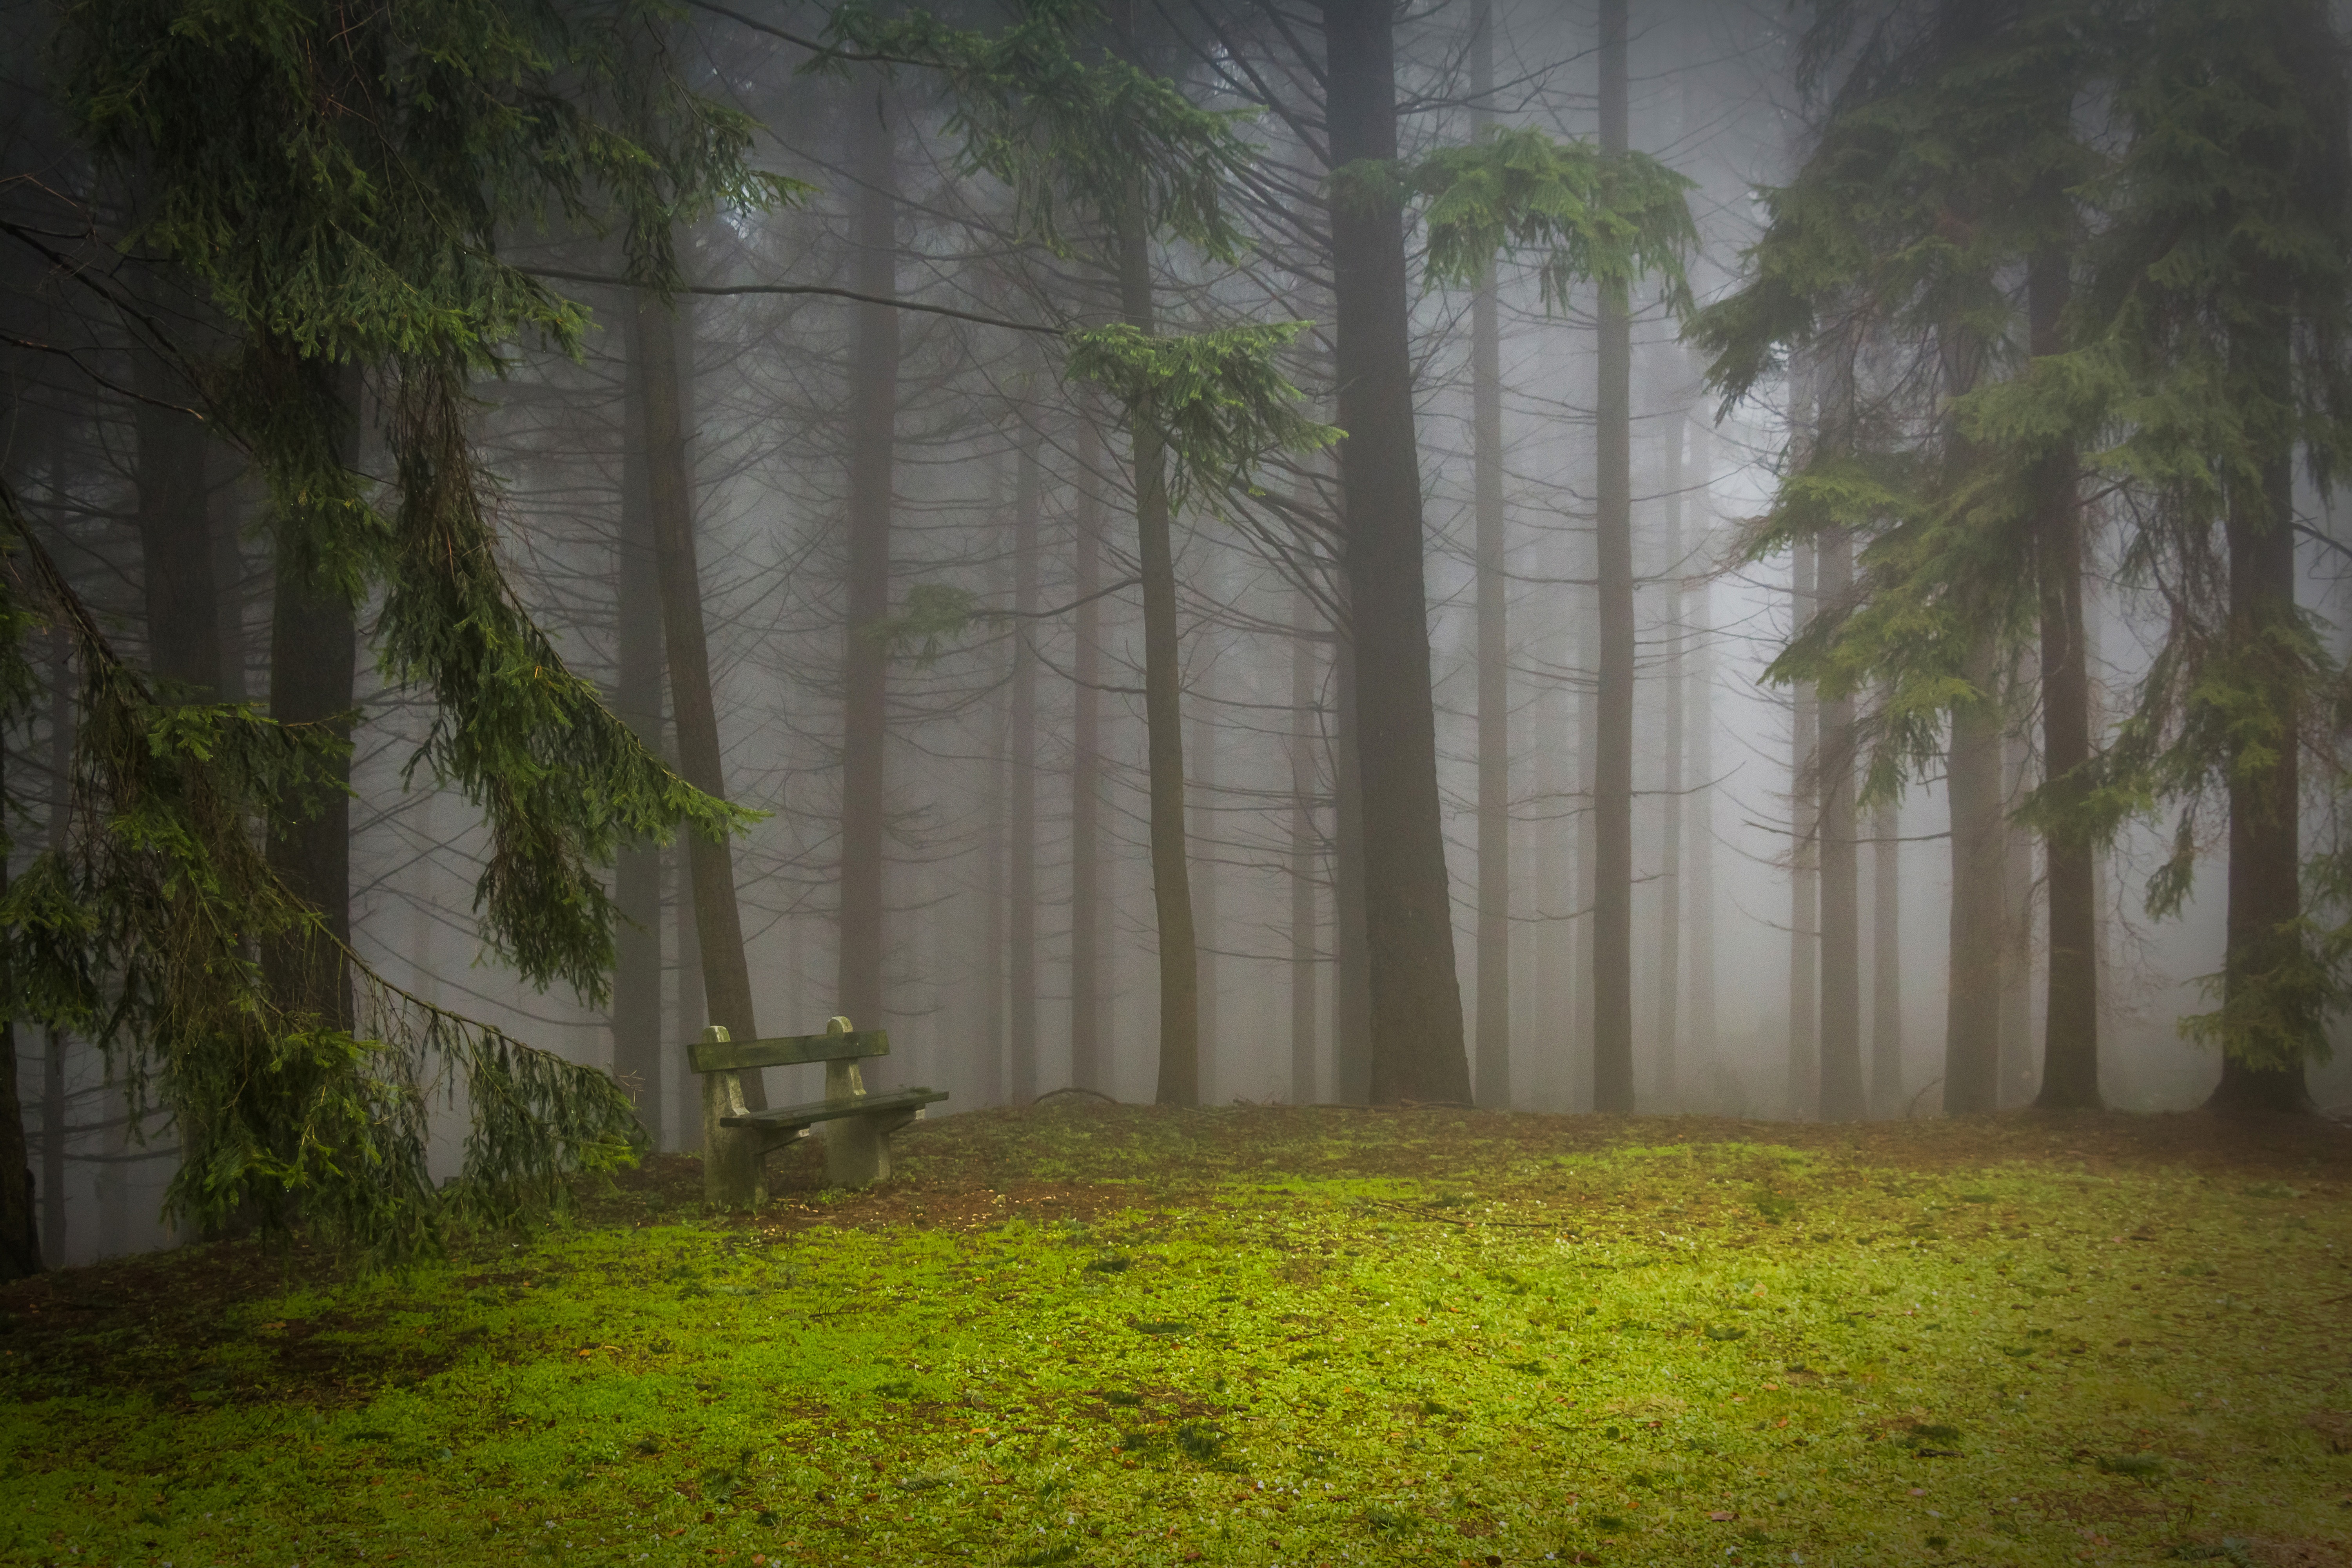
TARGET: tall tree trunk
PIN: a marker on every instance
(1842, 1098)
(2069, 1051)
(2265, 895)
(1886, 960)
(1416, 1002)
(20, 1232)
(873, 446)
(1305, 972)
(53, 1052)
(692, 1008)
(1089, 1062)
(2017, 1074)
(726, 971)
(1163, 716)
(175, 537)
(313, 654)
(991, 1076)
(1201, 758)
(636, 1010)
(1351, 974)
(1613, 772)
(1804, 859)
(1021, 911)
(1972, 998)
(1701, 878)
(1493, 641)
(1670, 860)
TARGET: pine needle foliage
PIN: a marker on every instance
(1583, 216)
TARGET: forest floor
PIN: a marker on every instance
(1084, 1334)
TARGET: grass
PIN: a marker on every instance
(1249, 1336)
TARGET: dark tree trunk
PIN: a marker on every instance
(1493, 644)
(2069, 1053)
(991, 927)
(873, 444)
(20, 1232)
(2016, 959)
(1973, 1004)
(175, 538)
(2265, 845)
(726, 972)
(1804, 860)
(636, 1011)
(1702, 769)
(1842, 1097)
(1671, 884)
(1089, 1062)
(313, 652)
(1887, 961)
(1303, 969)
(1416, 1002)
(1351, 976)
(53, 1053)
(1021, 911)
(1612, 770)
(1200, 758)
(1163, 718)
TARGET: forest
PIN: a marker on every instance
(1133, 780)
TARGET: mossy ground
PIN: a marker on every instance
(1092, 1335)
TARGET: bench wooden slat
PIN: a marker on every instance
(786, 1050)
(815, 1111)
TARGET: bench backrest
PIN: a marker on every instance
(717, 1053)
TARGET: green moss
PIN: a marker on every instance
(1443, 1347)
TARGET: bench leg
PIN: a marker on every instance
(857, 1152)
(734, 1176)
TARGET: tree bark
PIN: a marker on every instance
(313, 654)
(1671, 884)
(2070, 1050)
(873, 446)
(1613, 772)
(1804, 859)
(1201, 844)
(726, 972)
(1021, 911)
(1842, 1098)
(1887, 961)
(1305, 971)
(1494, 1087)
(1089, 1062)
(2265, 895)
(175, 537)
(1417, 1049)
(2016, 961)
(1163, 716)
(636, 1010)
(1352, 977)
(1972, 1005)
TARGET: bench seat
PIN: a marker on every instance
(782, 1123)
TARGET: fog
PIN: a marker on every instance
(1017, 931)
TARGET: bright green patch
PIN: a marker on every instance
(1620, 1356)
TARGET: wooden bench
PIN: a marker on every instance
(736, 1141)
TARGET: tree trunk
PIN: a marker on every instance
(637, 1010)
(1612, 770)
(1021, 911)
(2017, 1075)
(1493, 641)
(1416, 1002)
(1973, 1004)
(1089, 1062)
(1352, 979)
(1842, 1098)
(1702, 769)
(992, 925)
(175, 538)
(1670, 858)
(1305, 971)
(1887, 961)
(1201, 844)
(53, 1053)
(669, 492)
(1804, 859)
(1163, 717)
(2070, 1050)
(313, 652)
(2265, 850)
(20, 1232)
(873, 444)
